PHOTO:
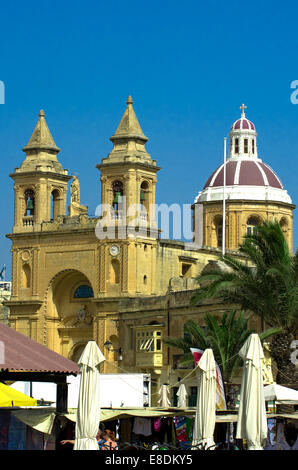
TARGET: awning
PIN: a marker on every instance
(42, 418)
(12, 397)
(281, 394)
(108, 414)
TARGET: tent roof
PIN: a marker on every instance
(281, 394)
(20, 353)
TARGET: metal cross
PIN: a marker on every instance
(243, 107)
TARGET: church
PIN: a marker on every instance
(113, 278)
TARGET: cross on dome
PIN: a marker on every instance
(243, 107)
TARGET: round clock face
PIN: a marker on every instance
(114, 250)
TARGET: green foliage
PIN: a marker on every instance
(225, 338)
(265, 283)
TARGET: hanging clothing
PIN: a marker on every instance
(182, 396)
(270, 441)
(167, 430)
(181, 430)
(142, 426)
(157, 424)
(189, 428)
(164, 400)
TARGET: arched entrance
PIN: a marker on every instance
(69, 313)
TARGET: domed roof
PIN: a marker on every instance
(244, 172)
(243, 124)
(247, 177)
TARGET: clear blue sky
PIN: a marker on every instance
(188, 66)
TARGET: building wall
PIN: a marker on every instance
(138, 285)
(237, 216)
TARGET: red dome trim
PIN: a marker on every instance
(250, 174)
(244, 173)
(244, 123)
(271, 176)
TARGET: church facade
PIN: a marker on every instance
(112, 278)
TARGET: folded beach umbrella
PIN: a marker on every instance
(206, 402)
(88, 411)
(252, 421)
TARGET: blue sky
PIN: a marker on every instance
(188, 66)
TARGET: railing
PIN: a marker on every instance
(116, 215)
(28, 220)
(143, 216)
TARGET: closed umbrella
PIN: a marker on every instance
(164, 399)
(206, 402)
(182, 396)
(88, 412)
(252, 421)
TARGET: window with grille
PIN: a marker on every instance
(149, 341)
(251, 227)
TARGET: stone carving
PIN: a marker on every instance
(81, 319)
(75, 191)
(75, 207)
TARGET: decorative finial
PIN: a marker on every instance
(243, 107)
(129, 100)
(42, 113)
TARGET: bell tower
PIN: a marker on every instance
(40, 183)
(128, 178)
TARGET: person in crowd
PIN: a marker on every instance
(99, 439)
(109, 438)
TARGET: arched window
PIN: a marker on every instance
(55, 204)
(219, 235)
(115, 272)
(118, 193)
(83, 292)
(144, 192)
(251, 225)
(144, 200)
(26, 276)
(236, 145)
(77, 352)
(218, 230)
(253, 146)
(284, 224)
(245, 145)
(29, 202)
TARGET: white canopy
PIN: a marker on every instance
(280, 394)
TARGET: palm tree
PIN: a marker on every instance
(265, 283)
(225, 338)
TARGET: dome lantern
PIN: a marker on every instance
(243, 138)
